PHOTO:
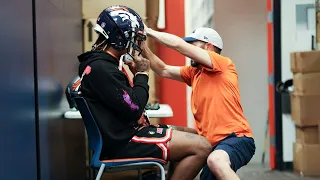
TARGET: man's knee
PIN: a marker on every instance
(218, 160)
(202, 146)
(185, 144)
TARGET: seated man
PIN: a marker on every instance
(118, 104)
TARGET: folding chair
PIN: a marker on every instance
(95, 144)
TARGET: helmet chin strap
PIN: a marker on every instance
(126, 57)
(130, 50)
(121, 63)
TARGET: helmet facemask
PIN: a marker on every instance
(134, 44)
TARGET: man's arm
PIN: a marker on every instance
(160, 68)
(174, 42)
(114, 91)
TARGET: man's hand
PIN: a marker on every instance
(141, 64)
(131, 66)
(143, 120)
(146, 28)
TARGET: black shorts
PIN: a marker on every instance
(149, 142)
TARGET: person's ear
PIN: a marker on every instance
(209, 47)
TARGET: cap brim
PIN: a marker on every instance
(190, 39)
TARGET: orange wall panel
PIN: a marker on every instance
(173, 92)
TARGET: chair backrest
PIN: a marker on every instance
(71, 91)
(93, 132)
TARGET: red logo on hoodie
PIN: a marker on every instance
(87, 70)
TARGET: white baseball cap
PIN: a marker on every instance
(207, 35)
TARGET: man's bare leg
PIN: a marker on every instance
(219, 164)
(191, 151)
(173, 165)
(183, 129)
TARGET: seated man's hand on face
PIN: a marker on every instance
(141, 64)
(131, 66)
(131, 62)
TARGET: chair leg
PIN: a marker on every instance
(98, 177)
(162, 172)
(94, 173)
(139, 174)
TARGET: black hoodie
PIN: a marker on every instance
(114, 103)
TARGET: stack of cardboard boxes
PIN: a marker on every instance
(305, 111)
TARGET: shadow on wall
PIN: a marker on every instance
(17, 124)
(50, 93)
(59, 42)
(59, 136)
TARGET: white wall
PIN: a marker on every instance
(188, 29)
(287, 41)
(242, 25)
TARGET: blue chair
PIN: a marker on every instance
(95, 144)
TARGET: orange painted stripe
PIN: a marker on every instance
(271, 86)
(175, 24)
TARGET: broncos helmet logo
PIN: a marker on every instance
(125, 15)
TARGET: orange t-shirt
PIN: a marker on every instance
(215, 99)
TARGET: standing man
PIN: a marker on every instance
(215, 98)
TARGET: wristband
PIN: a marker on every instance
(145, 73)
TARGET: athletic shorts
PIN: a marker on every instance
(239, 149)
(149, 142)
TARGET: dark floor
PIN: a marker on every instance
(249, 172)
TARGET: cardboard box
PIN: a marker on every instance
(308, 135)
(306, 83)
(306, 159)
(305, 109)
(305, 62)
